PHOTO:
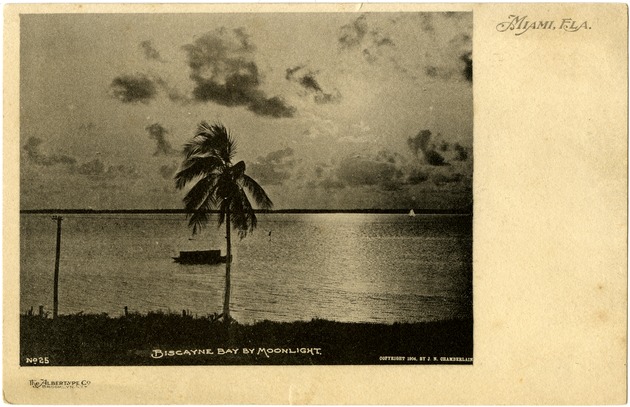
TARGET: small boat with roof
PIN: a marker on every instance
(200, 257)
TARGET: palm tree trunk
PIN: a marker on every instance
(228, 263)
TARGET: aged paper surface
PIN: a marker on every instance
(549, 227)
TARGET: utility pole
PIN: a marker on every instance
(56, 281)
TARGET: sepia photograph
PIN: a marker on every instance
(315, 204)
(245, 189)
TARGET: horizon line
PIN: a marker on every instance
(465, 210)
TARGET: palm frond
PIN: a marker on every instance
(207, 158)
(197, 220)
(238, 170)
(225, 192)
(258, 193)
(213, 139)
(203, 142)
(195, 167)
(202, 193)
(242, 214)
(203, 128)
(193, 147)
(199, 216)
(231, 149)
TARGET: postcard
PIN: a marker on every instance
(315, 204)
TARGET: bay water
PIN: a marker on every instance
(345, 267)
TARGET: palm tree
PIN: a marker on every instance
(219, 184)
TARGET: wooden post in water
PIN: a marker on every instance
(56, 279)
(126, 311)
(228, 264)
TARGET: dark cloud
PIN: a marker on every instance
(167, 171)
(291, 71)
(352, 34)
(368, 56)
(434, 158)
(394, 185)
(424, 143)
(150, 52)
(461, 41)
(158, 133)
(273, 169)
(122, 170)
(454, 152)
(458, 51)
(441, 179)
(133, 88)
(426, 22)
(89, 126)
(467, 72)
(369, 41)
(406, 72)
(327, 184)
(461, 152)
(142, 88)
(454, 14)
(173, 94)
(358, 171)
(33, 153)
(431, 71)
(420, 143)
(309, 82)
(445, 73)
(438, 72)
(238, 88)
(276, 157)
(92, 168)
(224, 72)
(324, 98)
(274, 107)
(389, 157)
(242, 37)
(96, 169)
(417, 176)
(306, 78)
(381, 41)
(388, 171)
(330, 183)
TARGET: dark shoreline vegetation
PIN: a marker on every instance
(100, 340)
(460, 211)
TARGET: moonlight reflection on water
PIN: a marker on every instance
(344, 267)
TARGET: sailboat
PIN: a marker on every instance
(412, 213)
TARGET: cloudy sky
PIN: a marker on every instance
(330, 111)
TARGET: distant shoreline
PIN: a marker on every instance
(462, 211)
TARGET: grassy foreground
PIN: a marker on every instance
(172, 339)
